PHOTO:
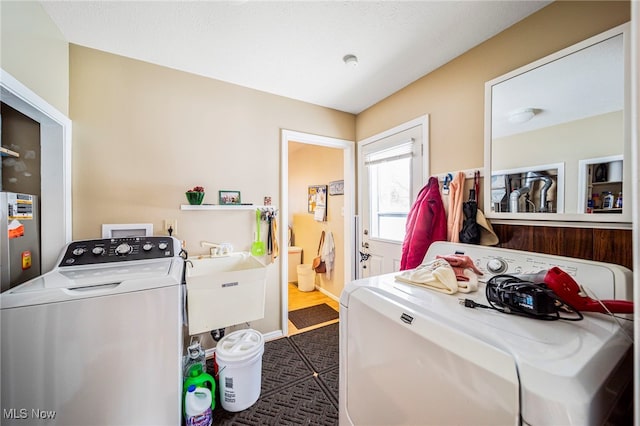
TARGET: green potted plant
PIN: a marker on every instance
(195, 195)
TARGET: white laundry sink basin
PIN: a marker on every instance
(224, 291)
(214, 264)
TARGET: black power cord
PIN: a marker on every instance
(511, 295)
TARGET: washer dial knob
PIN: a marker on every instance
(123, 249)
(97, 251)
(147, 246)
(162, 246)
(496, 266)
(78, 251)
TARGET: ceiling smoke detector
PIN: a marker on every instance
(351, 60)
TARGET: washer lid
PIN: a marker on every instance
(109, 273)
(81, 282)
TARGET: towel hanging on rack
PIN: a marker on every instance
(455, 218)
(328, 253)
(470, 232)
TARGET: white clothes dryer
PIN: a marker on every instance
(413, 356)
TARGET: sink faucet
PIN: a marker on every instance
(217, 249)
(213, 247)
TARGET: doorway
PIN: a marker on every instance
(55, 167)
(392, 167)
(346, 211)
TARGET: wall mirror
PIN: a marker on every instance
(557, 140)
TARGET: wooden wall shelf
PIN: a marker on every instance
(219, 207)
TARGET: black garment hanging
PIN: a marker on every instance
(470, 232)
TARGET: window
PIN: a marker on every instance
(390, 172)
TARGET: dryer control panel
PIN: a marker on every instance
(108, 250)
(607, 281)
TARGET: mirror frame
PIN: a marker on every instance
(622, 218)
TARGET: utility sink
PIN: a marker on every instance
(224, 290)
(205, 265)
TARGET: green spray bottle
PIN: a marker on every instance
(200, 379)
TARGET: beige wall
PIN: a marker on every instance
(34, 51)
(453, 95)
(314, 165)
(144, 134)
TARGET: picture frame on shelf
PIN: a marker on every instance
(229, 198)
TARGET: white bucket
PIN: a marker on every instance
(239, 360)
(306, 278)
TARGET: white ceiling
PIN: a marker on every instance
(293, 48)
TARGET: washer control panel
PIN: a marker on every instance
(108, 250)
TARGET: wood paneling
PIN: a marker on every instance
(614, 246)
(603, 245)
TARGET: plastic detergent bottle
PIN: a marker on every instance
(200, 379)
(608, 201)
(195, 355)
(197, 406)
(619, 201)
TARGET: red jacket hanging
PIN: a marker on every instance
(426, 223)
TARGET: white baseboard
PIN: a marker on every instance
(329, 295)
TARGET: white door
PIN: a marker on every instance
(391, 173)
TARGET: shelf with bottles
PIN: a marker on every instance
(602, 180)
(605, 202)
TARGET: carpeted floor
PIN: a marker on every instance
(299, 382)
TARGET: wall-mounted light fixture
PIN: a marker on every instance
(351, 60)
(522, 115)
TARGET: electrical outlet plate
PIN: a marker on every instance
(170, 223)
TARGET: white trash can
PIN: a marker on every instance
(239, 360)
(295, 259)
(306, 278)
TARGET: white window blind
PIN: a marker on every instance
(398, 152)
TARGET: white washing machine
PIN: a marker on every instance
(414, 356)
(97, 340)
